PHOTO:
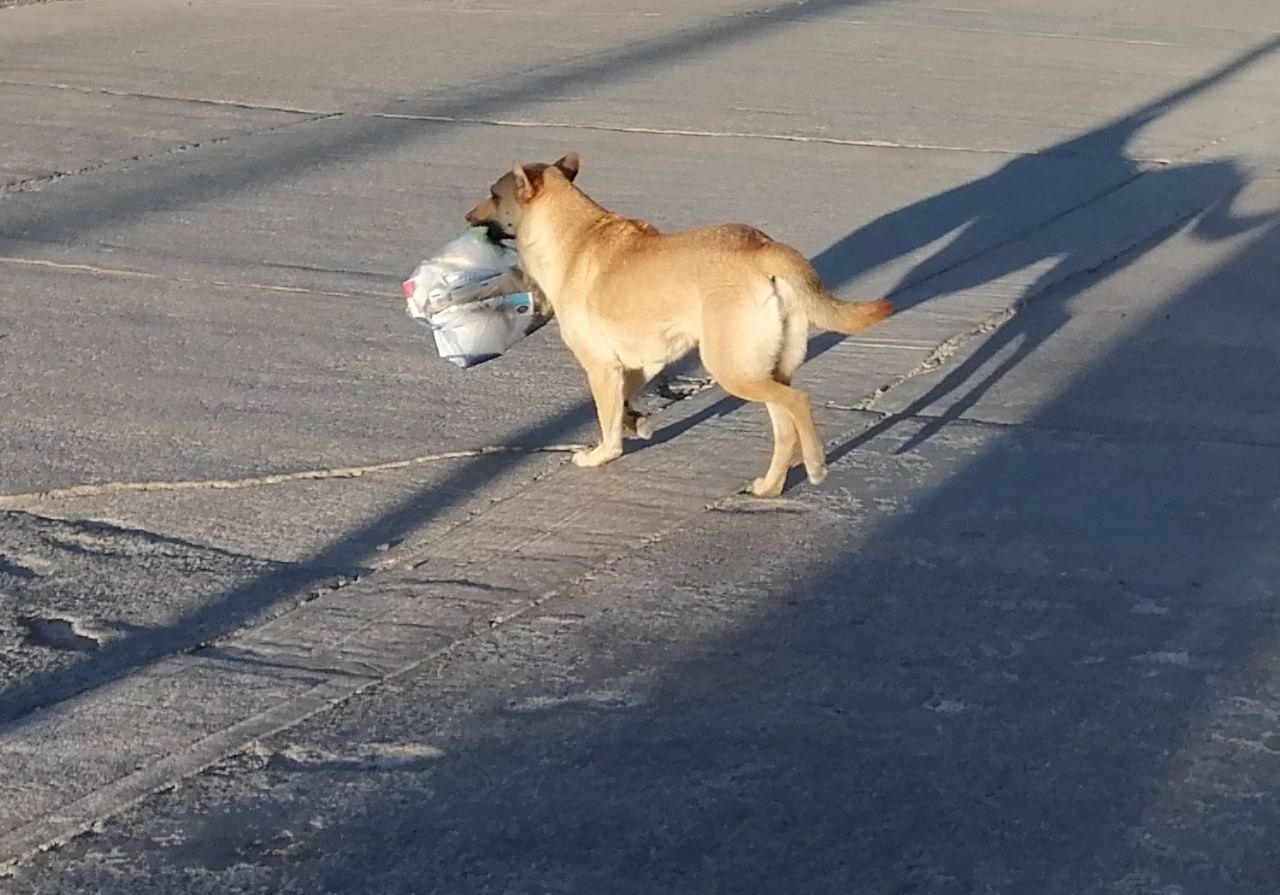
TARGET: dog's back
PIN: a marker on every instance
(667, 276)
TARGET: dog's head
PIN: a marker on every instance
(511, 194)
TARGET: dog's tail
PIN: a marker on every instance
(848, 317)
(798, 283)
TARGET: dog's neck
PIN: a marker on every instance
(553, 226)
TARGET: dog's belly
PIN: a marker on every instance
(657, 349)
(647, 322)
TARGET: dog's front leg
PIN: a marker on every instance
(606, 383)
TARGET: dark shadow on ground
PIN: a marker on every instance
(284, 583)
(978, 213)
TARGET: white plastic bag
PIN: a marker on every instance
(474, 299)
(472, 333)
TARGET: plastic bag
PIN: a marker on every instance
(473, 297)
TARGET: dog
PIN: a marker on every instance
(630, 300)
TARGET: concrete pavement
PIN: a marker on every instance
(1048, 536)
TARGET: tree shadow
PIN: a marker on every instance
(978, 213)
(982, 214)
(1014, 341)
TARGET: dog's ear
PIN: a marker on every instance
(524, 184)
(568, 166)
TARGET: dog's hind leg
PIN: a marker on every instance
(753, 354)
(795, 405)
(785, 442)
(606, 383)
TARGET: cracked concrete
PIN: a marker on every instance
(69, 588)
(99, 489)
(75, 135)
(692, 132)
(308, 114)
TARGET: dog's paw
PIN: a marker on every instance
(596, 456)
(636, 425)
(761, 487)
(817, 474)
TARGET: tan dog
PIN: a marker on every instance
(630, 300)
